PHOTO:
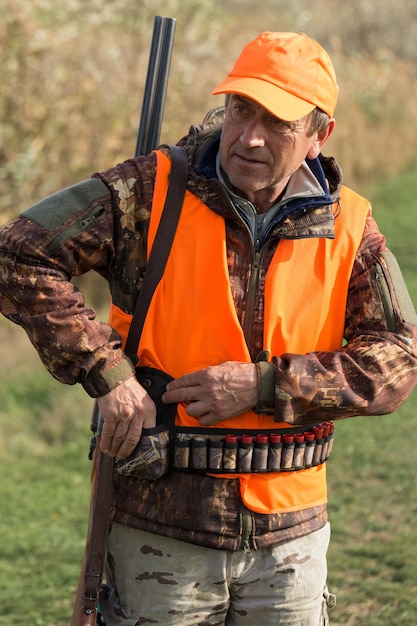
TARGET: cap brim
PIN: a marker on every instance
(277, 101)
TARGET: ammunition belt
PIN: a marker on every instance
(217, 451)
(246, 451)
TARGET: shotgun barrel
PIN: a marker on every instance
(156, 85)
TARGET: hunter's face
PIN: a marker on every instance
(259, 152)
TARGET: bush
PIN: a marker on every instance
(73, 77)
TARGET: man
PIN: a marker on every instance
(280, 311)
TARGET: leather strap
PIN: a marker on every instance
(161, 246)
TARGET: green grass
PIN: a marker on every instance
(44, 487)
(44, 504)
(394, 208)
(372, 474)
(44, 495)
(373, 554)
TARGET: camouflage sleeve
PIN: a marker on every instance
(63, 236)
(376, 369)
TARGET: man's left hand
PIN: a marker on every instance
(216, 393)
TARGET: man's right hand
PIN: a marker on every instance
(126, 409)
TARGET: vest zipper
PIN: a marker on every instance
(250, 298)
(96, 214)
(253, 276)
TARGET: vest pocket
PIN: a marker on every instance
(153, 455)
(150, 458)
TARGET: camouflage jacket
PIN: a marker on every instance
(101, 224)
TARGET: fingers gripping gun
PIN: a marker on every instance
(85, 604)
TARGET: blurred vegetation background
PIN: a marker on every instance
(72, 77)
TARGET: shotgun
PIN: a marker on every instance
(86, 598)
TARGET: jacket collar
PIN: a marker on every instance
(307, 187)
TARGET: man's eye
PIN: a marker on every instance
(241, 112)
(278, 125)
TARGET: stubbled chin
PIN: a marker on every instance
(244, 184)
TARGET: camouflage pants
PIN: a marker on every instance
(156, 580)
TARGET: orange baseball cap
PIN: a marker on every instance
(287, 73)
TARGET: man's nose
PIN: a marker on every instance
(253, 134)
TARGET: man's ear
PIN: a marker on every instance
(321, 139)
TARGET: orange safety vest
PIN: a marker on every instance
(192, 321)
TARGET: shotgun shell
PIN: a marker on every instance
(325, 449)
(299, 450)
(181, 453)
(215, 455)
(310, 440)
(287, 452)
(260, 453)
(230, 453)
(331, 439)
(245, 453)
(274, 452)
(318, 432)
(199, 453)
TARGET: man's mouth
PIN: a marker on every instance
(250, 159)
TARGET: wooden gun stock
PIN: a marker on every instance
(85, 604)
